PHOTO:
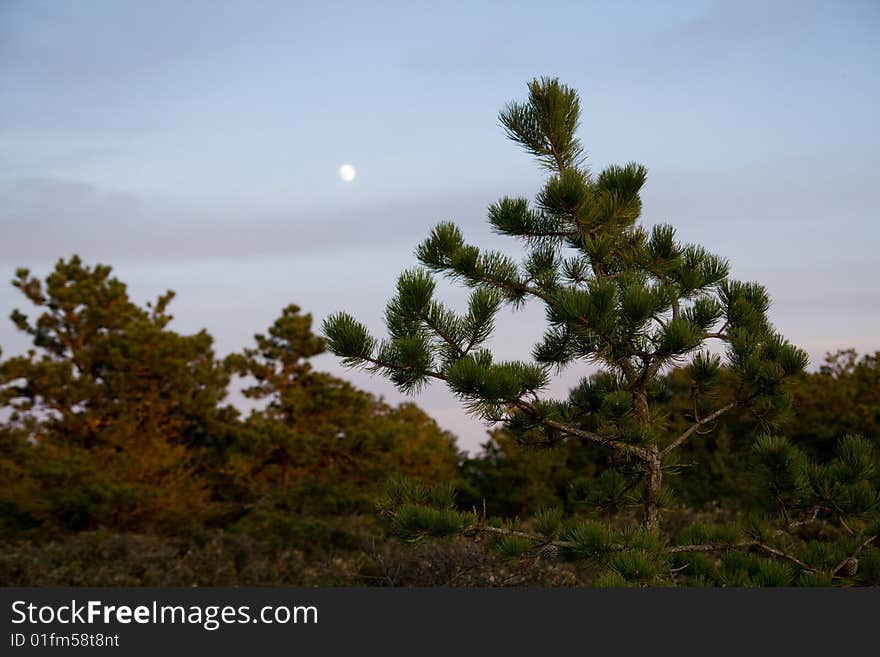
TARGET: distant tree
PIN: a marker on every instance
(318, 444)
(510, 479)
(842, 397)
(111, 414)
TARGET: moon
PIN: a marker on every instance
(347, 173)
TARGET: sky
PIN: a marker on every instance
(195, 146)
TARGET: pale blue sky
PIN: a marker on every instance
(195, 146)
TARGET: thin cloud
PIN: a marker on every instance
(714, 34)
(47, 218)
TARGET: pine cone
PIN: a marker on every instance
(549, 552)
(849, 568)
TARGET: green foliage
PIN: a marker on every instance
(513, 547)
(319, 445)
(633, 301)
(842, 398)
(786, 467)
(700, 569)
(513, 479)
(102, 558)
(824, 555)
(610, 579)
(737, 568)
(589, 538)
(637, 566)
(416, 511)
(402, 490)
(548, 522)
(348, 338)
(111, 411)
(115, 421)
(608, 491)
(773, 573)
(695, 534)
(412, 522)
(869, 568)
(705, 368)
(855, 461)
(442, 495)
(487, 389)
(814, 579)
(758, 549)
(545, 126)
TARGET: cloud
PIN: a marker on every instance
(701, 41)
(43, 218)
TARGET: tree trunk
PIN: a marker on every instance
(653, 471)
(643, 412)
(653, 483)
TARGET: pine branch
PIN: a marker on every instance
(553, 234)
(540, 541)
(696, 426)
(634, 481)
(634, 450)
(473, 530)
(545, 126)
(720, 547)
(472, 341)
(702, 547)
(628, 370)
(425, 317)
(388, 366)
(794, 524)
(858, 550)
(505, 287)
(783, 555)
(675, 302)
(520, 287)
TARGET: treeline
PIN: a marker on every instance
(122, 460)
(115, 423)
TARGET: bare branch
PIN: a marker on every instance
(783, 555)
(794, 524)
(620, 446)
(696, 426)
(704, 547)
(472, 530)
(719, 547)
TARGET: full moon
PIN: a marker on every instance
(347, 173)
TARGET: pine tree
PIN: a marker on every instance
(111, 415)
(632, 300)
(842, 397)
(319, 445)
